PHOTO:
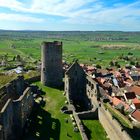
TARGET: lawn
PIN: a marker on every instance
(4, 79)
(48, 122)
(94, 130)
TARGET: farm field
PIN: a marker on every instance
(93, 48)
(76, 45)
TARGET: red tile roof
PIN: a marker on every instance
(136, 115)
(136, 102)
(135, 89)
(117, 101)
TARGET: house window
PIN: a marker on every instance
(92, 86)
(89, 84)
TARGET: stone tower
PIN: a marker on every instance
(51, 69)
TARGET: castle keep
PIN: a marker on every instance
(51, 70)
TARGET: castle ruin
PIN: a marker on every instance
(16, 103)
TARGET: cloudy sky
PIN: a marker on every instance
(70, 15)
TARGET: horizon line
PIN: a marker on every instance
(27, 30)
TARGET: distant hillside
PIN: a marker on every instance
(109, 36)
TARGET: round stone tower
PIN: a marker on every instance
(51, 69)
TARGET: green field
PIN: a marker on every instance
(90, 48)
(84, 46)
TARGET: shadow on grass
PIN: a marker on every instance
(58, 87)
(134, 133)
(43, 126)
(88, 132)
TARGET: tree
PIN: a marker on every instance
(111, 63)
(18, 58)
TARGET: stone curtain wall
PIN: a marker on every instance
(88, 115)
(12, 90)
(80, 126)
(6, 120)
(27, 102)
(16, 104)
(112, 126)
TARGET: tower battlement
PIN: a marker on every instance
(55, 43)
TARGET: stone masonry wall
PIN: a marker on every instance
(112, 126)
(80, 126)
(6, 120)
(22, 107)
(88, 115)
(16, 104)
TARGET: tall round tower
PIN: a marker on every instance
(51, 69)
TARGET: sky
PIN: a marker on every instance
(66, 15)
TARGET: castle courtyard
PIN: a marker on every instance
(49, 122)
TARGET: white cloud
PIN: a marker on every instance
(19, 18)
(77, 11)
(126, 16)
(66, 8)
(12, 4)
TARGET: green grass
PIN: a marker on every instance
(4, 79)
(31, 74)
(80, 49)
(50, 122)
(94, 130)
(120, 117)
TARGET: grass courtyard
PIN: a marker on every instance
(94, 130)
(48, 123)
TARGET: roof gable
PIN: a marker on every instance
(75, 67)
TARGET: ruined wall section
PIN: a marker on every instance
(6, 121)
(92, 91)
(22, 107)
(16, 104)
(12, 90)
